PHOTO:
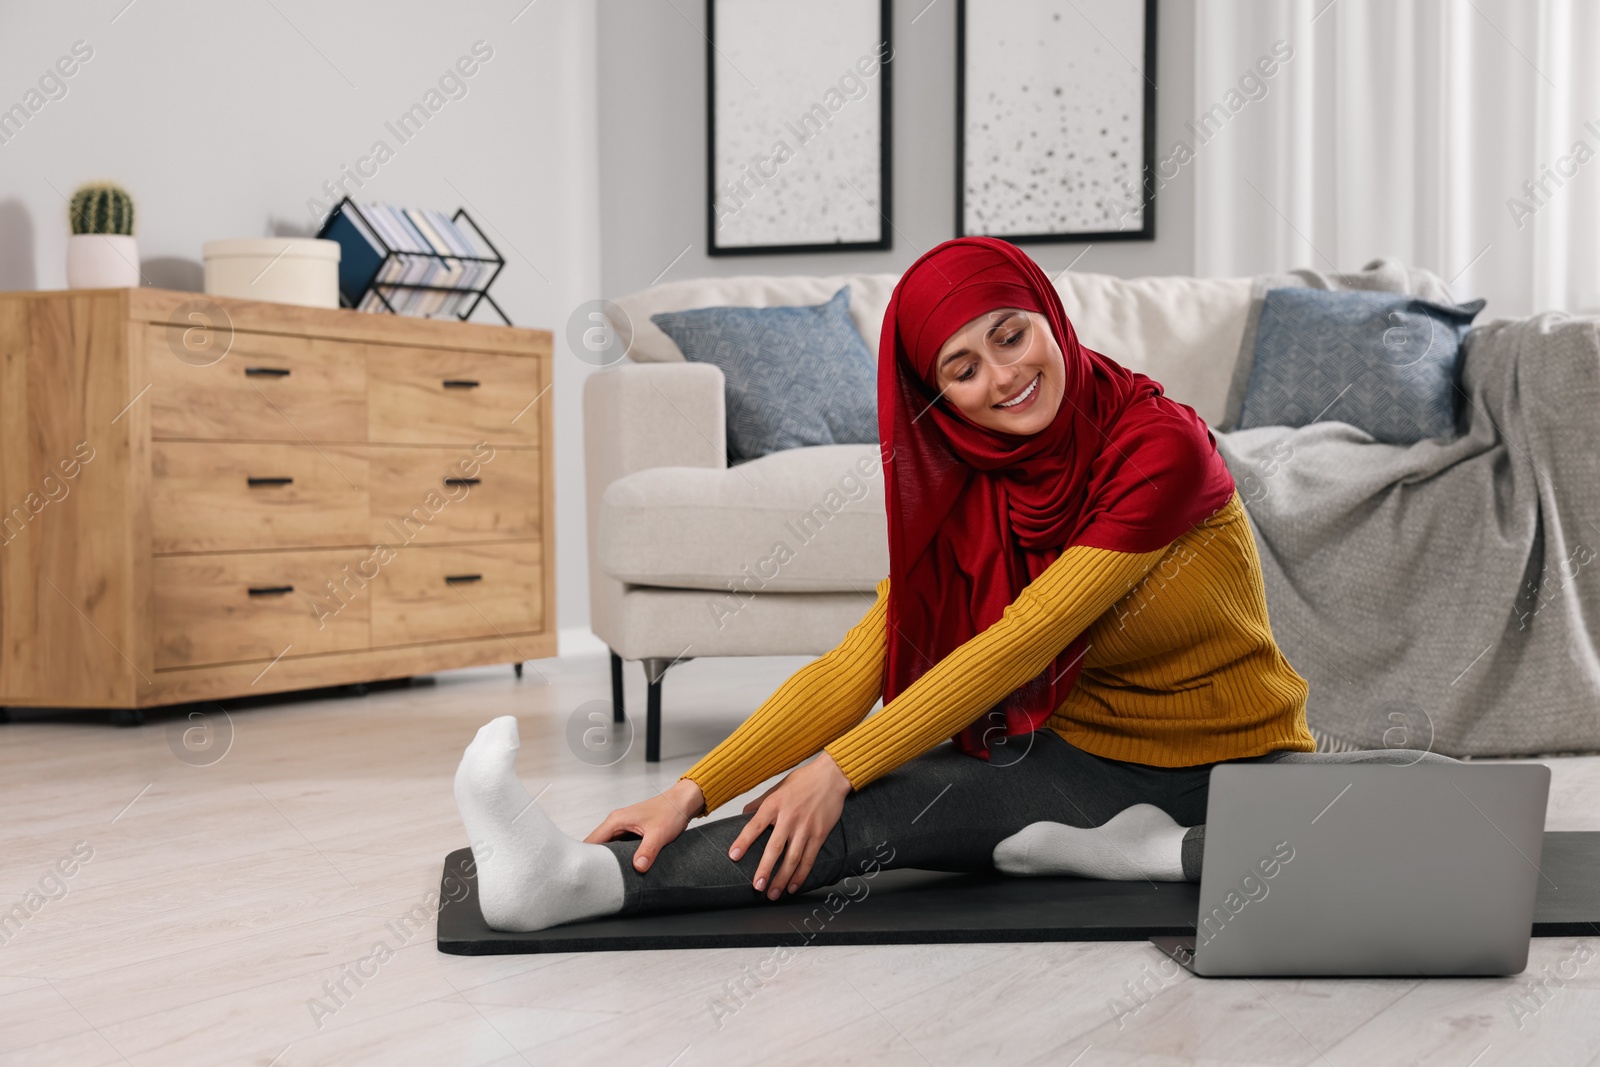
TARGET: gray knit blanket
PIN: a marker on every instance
(1449, 588)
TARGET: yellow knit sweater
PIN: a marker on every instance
(1181, 669)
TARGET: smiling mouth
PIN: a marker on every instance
(1024, 395)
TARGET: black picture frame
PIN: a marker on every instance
(1147, 232)
(885, 150)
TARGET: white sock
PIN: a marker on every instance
(530, 874)
(1138, 842)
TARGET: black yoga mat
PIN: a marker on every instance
(923, 907)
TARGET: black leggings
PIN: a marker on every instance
(945, 811)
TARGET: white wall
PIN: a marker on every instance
(653, 148)
(223, 119)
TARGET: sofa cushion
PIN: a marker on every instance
(1380, 275)
(1381, 362)
(792, 376)
(800, 520)
(1183, 332)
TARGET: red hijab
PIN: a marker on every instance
(976, 514)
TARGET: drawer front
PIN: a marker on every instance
(267, 388)
(431, 495)
(216, 497)
(260, 605)
(436, 396)
(458, 591)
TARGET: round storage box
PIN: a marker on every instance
(282, 270)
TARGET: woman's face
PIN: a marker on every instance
(1003, 371)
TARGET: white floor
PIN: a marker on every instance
(224, 903)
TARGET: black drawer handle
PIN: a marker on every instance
(265, 372)
(268, 481)
(270, 590)
(462, 481)
(460, 383)
(459, 579)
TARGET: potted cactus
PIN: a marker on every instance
(101, 253)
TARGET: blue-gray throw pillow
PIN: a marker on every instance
(794, 376)
(1383, 362)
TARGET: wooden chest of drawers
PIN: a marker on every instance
(209, 498)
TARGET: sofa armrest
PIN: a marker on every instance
(642, 415)
(637, 416)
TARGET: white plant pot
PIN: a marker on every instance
(283, 270)
(102, 261)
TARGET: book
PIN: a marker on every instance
(472, 271)
(410, 269)
(442, 303)
(361, 258)
(488, 260)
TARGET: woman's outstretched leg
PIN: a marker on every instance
(530, 874)
(942, 811)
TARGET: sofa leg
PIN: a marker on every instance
(654, 671)
(618, 713)
(652, 722)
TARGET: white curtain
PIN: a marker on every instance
(1458, 135)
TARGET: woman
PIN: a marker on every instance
(1074, 599)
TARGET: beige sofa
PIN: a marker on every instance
(689, 557)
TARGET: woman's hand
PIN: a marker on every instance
(658, 820)
(802, 810)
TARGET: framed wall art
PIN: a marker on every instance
(1055, 119)
(797, 126)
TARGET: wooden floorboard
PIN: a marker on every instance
(231, 914)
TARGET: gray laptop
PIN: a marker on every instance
(1368, 869)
